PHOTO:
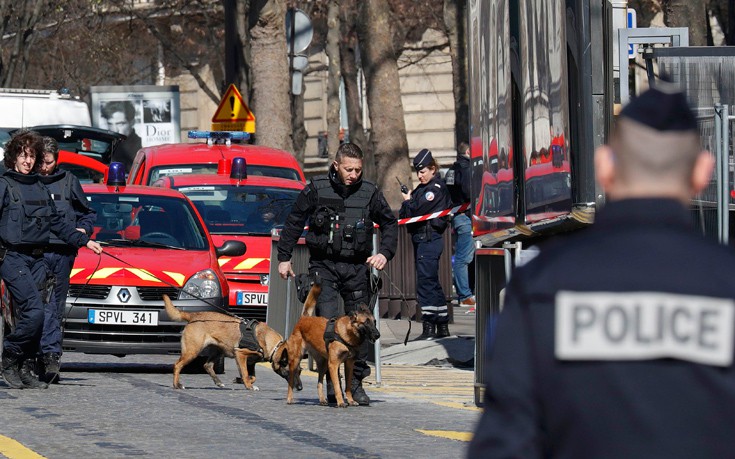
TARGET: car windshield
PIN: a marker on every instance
(252, 210)
(253, 169)
(147, 221)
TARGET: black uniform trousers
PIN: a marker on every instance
(352, 282)
(427, 248)
(23, 273)
(60, 263)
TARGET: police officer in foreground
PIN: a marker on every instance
(341, 209)
(74, 207)
(27, 219)
(618, 341)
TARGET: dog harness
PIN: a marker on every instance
(330, 335)
(247, 336)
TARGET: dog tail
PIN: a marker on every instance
(173, 313)
(310, 303)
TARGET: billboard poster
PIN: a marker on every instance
(148, 115)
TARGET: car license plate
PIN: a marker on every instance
(118, 317)
(252, 299)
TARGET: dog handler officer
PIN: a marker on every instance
(341, 208)
(28, 217)
(617, 342)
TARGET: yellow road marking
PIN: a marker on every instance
(446, 387)
(14, 450)
(450, 434)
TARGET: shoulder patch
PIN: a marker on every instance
(429, 196)
(644, 326)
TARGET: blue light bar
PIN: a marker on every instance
(239, 169)
(116, 174)
(225, 135)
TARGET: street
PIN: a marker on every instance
(111, 407)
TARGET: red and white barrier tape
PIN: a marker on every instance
(442, 213)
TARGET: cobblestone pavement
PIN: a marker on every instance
(115, 408)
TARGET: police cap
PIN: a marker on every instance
(663, 108)
(422, 159)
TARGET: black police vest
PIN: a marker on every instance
(341, 227)
(27, 219)
(61, 194)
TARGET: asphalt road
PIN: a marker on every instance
(115, 408)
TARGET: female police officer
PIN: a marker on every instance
(431, 195)
(27, 219)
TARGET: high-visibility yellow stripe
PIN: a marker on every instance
(450, 434)
(223, 261)
(104, 273)
(75, 271)
(143, 274)
(177, 277)
(13, 450)
(248, 263)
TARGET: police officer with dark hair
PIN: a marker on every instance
(341, 209)
(74, 207)
(431, 195)
(27, 219)
(617, 341)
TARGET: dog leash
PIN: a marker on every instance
(403, 302)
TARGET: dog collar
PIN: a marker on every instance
(273, 352)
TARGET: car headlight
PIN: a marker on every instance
(203, 284)
(265, 279)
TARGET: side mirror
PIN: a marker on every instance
(231, 249)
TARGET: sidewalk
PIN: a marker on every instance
(458, 350)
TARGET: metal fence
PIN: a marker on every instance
(707, 75)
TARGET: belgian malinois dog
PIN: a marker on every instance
(309, 335)
(223, 332)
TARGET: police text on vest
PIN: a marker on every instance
(644, 325)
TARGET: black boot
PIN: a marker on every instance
(442, 330)
(11, 371)
(29, 380)
(358, 393)
(51, 367)
(428, 333)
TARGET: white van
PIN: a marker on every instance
(34, 107)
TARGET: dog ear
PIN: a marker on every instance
(364, 308)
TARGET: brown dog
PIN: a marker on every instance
(223, 332)
(308, 335)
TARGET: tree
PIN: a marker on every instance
(20, 21)
(688, 13)
(348, 49)
(388, 129)
(455, 14)
(270, 98)
(334, 77)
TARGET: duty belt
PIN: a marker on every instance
(34, 251)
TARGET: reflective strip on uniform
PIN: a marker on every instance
(644, 325)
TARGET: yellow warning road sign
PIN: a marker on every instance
(233, 113)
